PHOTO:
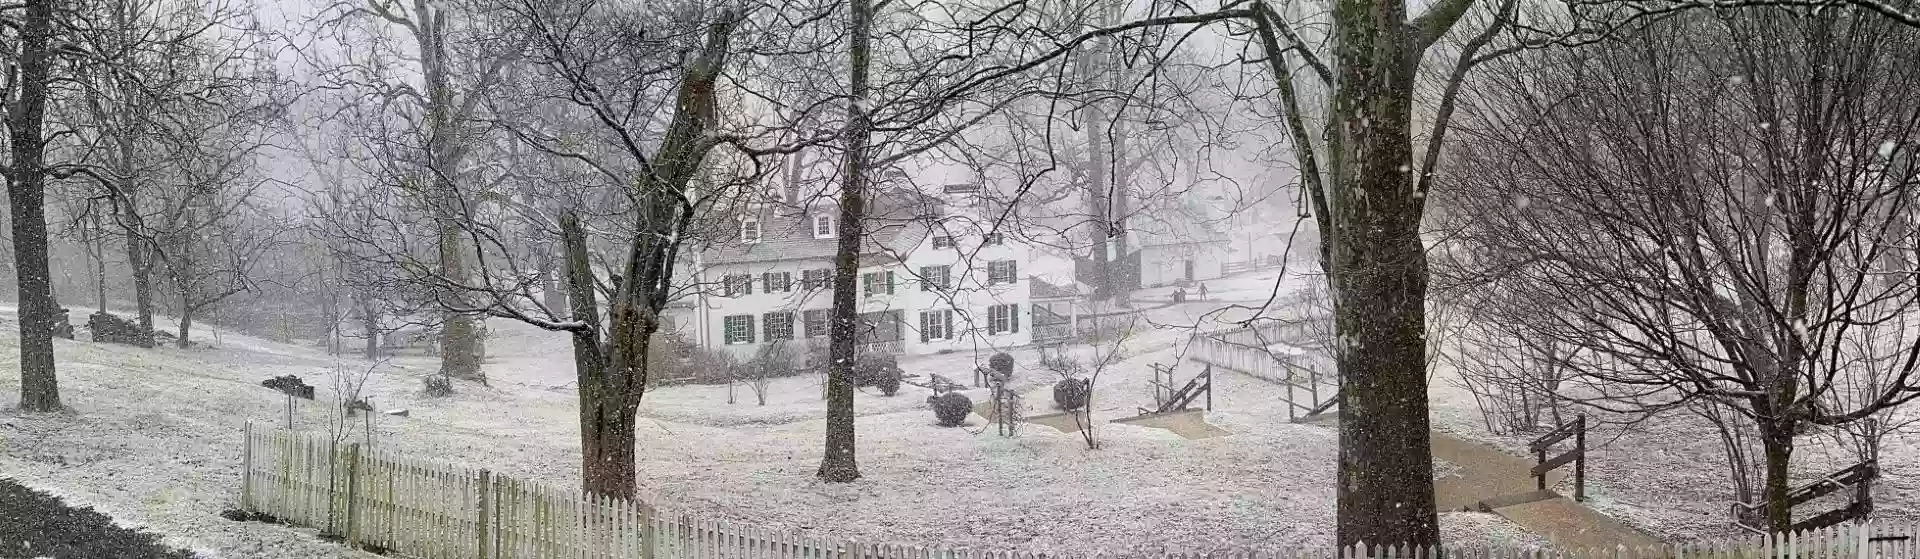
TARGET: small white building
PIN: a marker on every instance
(1177, 249)
(931, 280)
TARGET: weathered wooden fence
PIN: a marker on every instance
(431, 511)
(1256, 352)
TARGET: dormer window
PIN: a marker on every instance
(749, 230)
(823, 226)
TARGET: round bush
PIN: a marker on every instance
(1071, 394)
(888, 381)
(1001, 363)
(951, 408)
(868, 370)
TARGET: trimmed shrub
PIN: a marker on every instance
(1071, 393)
(951, 409)
(888, 382)
(872, 369)
(1001, 363)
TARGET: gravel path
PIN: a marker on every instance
(35, 524)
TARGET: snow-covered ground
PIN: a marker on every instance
(1667, 474)
(154, 441)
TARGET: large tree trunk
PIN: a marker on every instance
(460, 345)
(1099, 204)
(837, 463)
(186, 322)
(1778, 442)
(39, 386)
(139, 250)
(1379, 275)
(613, 373)
(606, 432)
(142, 281)
(96, 248)
(370, 320)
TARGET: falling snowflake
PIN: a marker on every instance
(1768, 201)
(1886, 149)
(1766, 126)
(1737, 80)
(1406, 169)
(1522, 202)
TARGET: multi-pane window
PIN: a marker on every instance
(816, 320)
(739, 329)
(935, 277)
(878, 283)
(936, 325)
(1002, 271)
(823, 226)
(738, 284)
(994, 239)
(777, 282)
(779, 326)
(1003, 319)
(749, 230)
(943, 241)
(813, 280)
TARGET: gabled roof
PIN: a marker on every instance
(1040, 289)
(898, 220)
(1176, 226)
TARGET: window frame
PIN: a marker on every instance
(728, 285)
(807, 323)
(751, 224)
(994, 268)
(768, 322)
(867, 283)
(946, 277)
(786, 284)
(824, 281)
(940, 320)
(832, 227)
(730, 322)
(940, 240)
(1003, 319)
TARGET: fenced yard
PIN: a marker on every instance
(420, 509)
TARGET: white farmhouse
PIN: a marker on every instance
(931, 280)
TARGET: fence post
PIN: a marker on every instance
(486, 513)
(1313, 386)
(1579, 464)
(1291, 402)
(1209, 371)
(353, 496)
(1540, 479)
(246, 471)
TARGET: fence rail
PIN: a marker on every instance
(433, 511)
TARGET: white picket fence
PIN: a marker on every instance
(434, 511)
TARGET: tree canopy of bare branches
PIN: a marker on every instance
(1718, 207)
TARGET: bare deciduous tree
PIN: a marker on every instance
(26, 177)
(1722, 230)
